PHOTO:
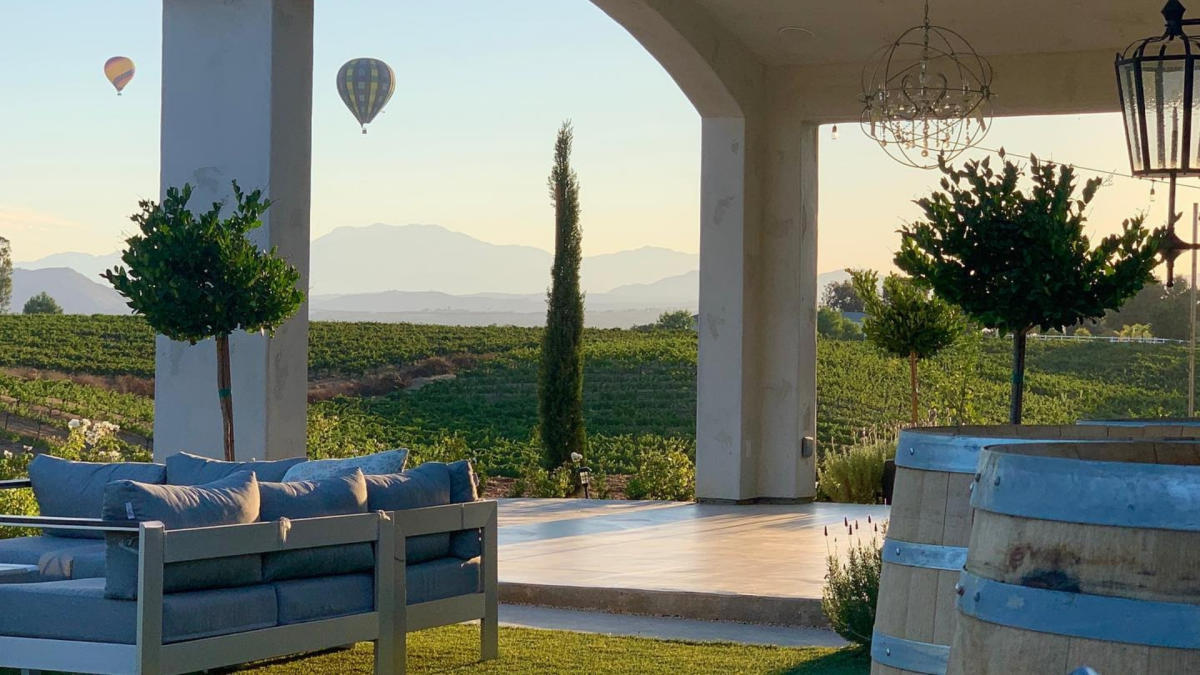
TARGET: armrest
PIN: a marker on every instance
(92, 524)
(15, 483)
(441, 519)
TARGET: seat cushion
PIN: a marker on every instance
(229, 501)
(442, 578)
(78, 610)
(67, 489)
(303, 600)
(55, 557)
(187, 469)
(425, 485)
(389, 461)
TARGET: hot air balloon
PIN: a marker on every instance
(119, 71)
(365, 86)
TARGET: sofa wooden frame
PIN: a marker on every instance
(387, 626)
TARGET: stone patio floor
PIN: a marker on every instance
(760, 563)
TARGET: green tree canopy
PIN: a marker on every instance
(906, 321)
(840, 295)
(1015, 260)
(5, 276)
(42, 303)
(560, 378)
(196, 275)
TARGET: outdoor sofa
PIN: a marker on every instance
(199, 564)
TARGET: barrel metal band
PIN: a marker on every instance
(1094, 617)
(946, 452)
(918, 657)
(929, 556)
(1117, 494)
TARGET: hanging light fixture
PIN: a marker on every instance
(929, 94)
(1156, 84)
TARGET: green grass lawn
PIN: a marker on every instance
(454, 649)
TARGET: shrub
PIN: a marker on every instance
(831, 324)
(663, 475)
(535, 481)
(854, 475)
(852, 589)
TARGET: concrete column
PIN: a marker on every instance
(756, 398)
(237, 104)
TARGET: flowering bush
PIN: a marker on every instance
(96, 441)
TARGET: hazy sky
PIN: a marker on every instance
(466, 141)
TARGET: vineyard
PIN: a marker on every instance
(639, 389)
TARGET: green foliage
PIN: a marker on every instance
(854, 475)
(680, 319)
(907, 319)
(842, 296)
(1016, 260)
(831, 324)
(1164, 309)
(1082, 332)
(535, 481)
(5, 276)
(667, 475)
(41, 303)
(852, 590)
(560, 383)
(1135, 331)
(196, 275)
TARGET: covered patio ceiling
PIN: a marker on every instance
(1049, 56)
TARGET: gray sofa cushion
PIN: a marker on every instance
(303, 600)
(187, 469)
(426, 485)
(336, 496)
(67, 489)
(442, 578)
(56, 558)
(78, 610)
(232, 500)
(342, 495)
(464, 488)
(390, 461)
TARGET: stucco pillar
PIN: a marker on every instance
(237, 104)
(756, 398)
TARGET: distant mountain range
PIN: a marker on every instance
(424, 274)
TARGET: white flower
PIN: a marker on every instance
(576, 457)
(74, 424)
(7, 454)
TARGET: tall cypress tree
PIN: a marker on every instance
(560, 380)
(5, 276)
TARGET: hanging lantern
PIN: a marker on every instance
(928, 95)
(1156, 84)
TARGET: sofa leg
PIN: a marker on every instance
(489, 636)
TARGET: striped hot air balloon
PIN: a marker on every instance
(119, 71)
(365, 86)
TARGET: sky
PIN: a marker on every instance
(466, 141)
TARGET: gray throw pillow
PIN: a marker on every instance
(426, 485)
(390, 461)
(311, 499)
(230, 501)
(67, 489)
(187, 469)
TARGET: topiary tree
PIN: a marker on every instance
(42, 303)
(907, 321)
(1016, 260)
(560, 379)
(196, 275)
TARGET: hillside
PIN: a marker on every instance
(639, 387)
(74, 292)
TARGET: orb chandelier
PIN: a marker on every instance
(1156, 83)
(928, 94)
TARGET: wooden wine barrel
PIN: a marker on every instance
(930, 524)
(1082, 554)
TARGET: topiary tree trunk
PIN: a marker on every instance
(225, 395)
(560, 380)
(1016, 398)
